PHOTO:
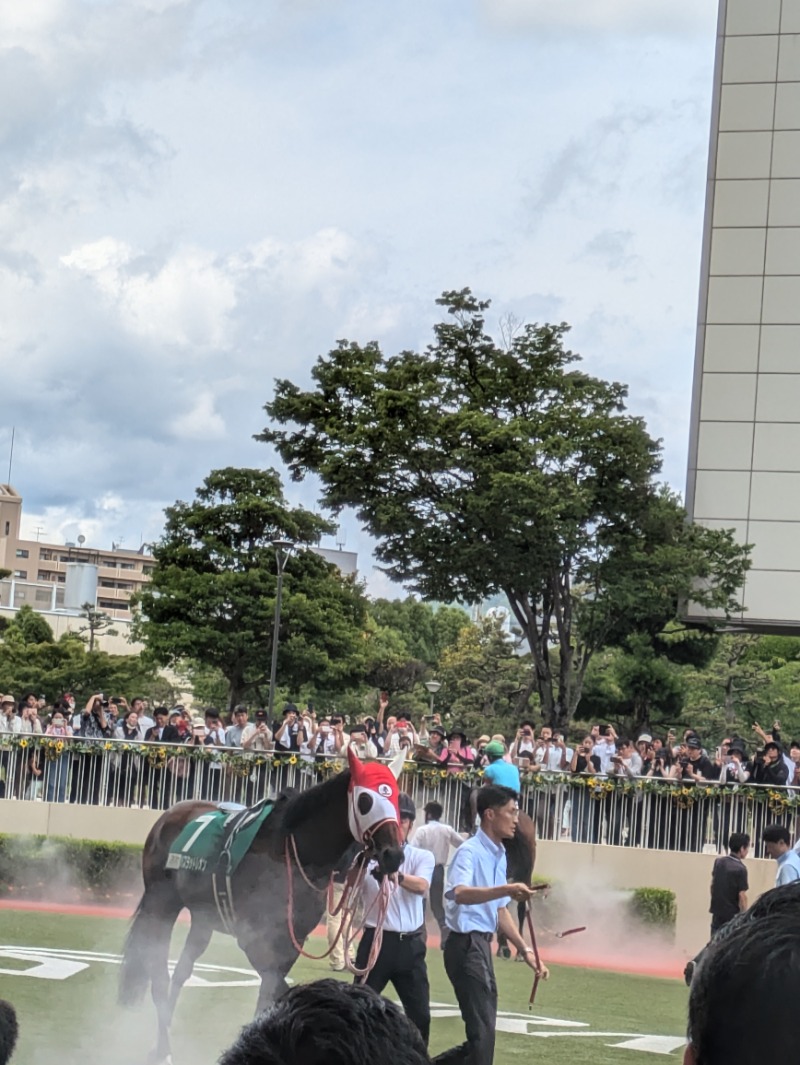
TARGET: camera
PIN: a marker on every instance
(683, 762)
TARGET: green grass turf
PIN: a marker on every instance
(77, 1020)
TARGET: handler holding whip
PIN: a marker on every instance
(475, 899)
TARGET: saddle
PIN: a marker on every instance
(215, 843)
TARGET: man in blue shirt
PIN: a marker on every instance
(777, 845)
(475, 898)
(498, 771)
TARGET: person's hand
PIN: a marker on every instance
(520, 892)
(776, 726)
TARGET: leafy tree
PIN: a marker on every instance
(212, 594)
(483, 468)
(482, 678)
(31, 627)
(97, 624)
(425, 629)
(57, 666)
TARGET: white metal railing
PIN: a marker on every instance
(664, 815)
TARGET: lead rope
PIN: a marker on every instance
(347, 906)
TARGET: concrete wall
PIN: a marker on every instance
(599, 867)
(586, 866)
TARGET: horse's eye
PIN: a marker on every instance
(365, 801)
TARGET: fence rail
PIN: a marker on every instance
(639, 813)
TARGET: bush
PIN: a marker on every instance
(60, 868)
(654, 906)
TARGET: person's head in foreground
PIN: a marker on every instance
(329, 1023)
(8, 1031)
(745, 988)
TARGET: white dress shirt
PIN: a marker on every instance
(405, 911)
(437, 838)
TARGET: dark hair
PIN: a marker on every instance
(491, 796)
(9, 1030)
(751, 969)
(528, 724)
(737, 841)
(329, 1023)
(776, 834)
(434, 810)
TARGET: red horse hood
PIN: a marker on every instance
(373, 794)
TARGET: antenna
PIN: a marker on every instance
(39, 530)
(341, 537)
(81, 540)
(11, 454)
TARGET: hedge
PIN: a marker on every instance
(58, 867)
(654, 906)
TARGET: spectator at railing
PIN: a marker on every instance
(161, 731)
(291, 733)
(327, 741)
(235, 731)
(460, 754)
(359, 742)
(437, 746)
(257, 735)
(767, 767)
(605, 745)
(524, 745)
(586, 813)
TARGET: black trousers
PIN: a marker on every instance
(401, 962)
(468, 964)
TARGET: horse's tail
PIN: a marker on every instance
(134, 975)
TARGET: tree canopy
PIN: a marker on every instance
(212, 594)
(484, 467)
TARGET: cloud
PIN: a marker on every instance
(182, 301)
(202, 422)
(611, 16)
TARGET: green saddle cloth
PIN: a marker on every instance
(217, 841)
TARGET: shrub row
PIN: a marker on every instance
(60, 869)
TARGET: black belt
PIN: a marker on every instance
(488, 936)
(399, 935)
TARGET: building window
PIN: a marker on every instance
(21, 574)
(23, 552)
(43, 575)
(43, 596)
(8, 528)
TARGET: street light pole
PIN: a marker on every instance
(433, 687)
(283, 552)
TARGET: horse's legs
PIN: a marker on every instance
(160, 991)
(272, 961)
(196, 944)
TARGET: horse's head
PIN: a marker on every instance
(373, 809)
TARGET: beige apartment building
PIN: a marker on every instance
(39, 570)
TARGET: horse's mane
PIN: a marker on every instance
(294, 809)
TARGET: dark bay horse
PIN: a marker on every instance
(317, 823)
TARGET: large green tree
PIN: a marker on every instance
(484, 467)
(212, 594)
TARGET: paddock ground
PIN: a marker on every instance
(60, 969)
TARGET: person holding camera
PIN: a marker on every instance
(327, 741)
(94, 725)
(291, 734)
(586, 813)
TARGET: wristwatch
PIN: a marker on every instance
(401, 877)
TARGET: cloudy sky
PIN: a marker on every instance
(199, 196)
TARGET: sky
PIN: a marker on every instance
(198, 197)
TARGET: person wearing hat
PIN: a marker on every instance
(292, 733)
(498, 771)
(437, 837)
(460, 755)
(436, 743)
(401, 960)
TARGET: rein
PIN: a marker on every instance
(349, 927)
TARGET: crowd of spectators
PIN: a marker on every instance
(599, 759)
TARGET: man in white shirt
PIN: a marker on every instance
(437, 837)
(401, 960)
